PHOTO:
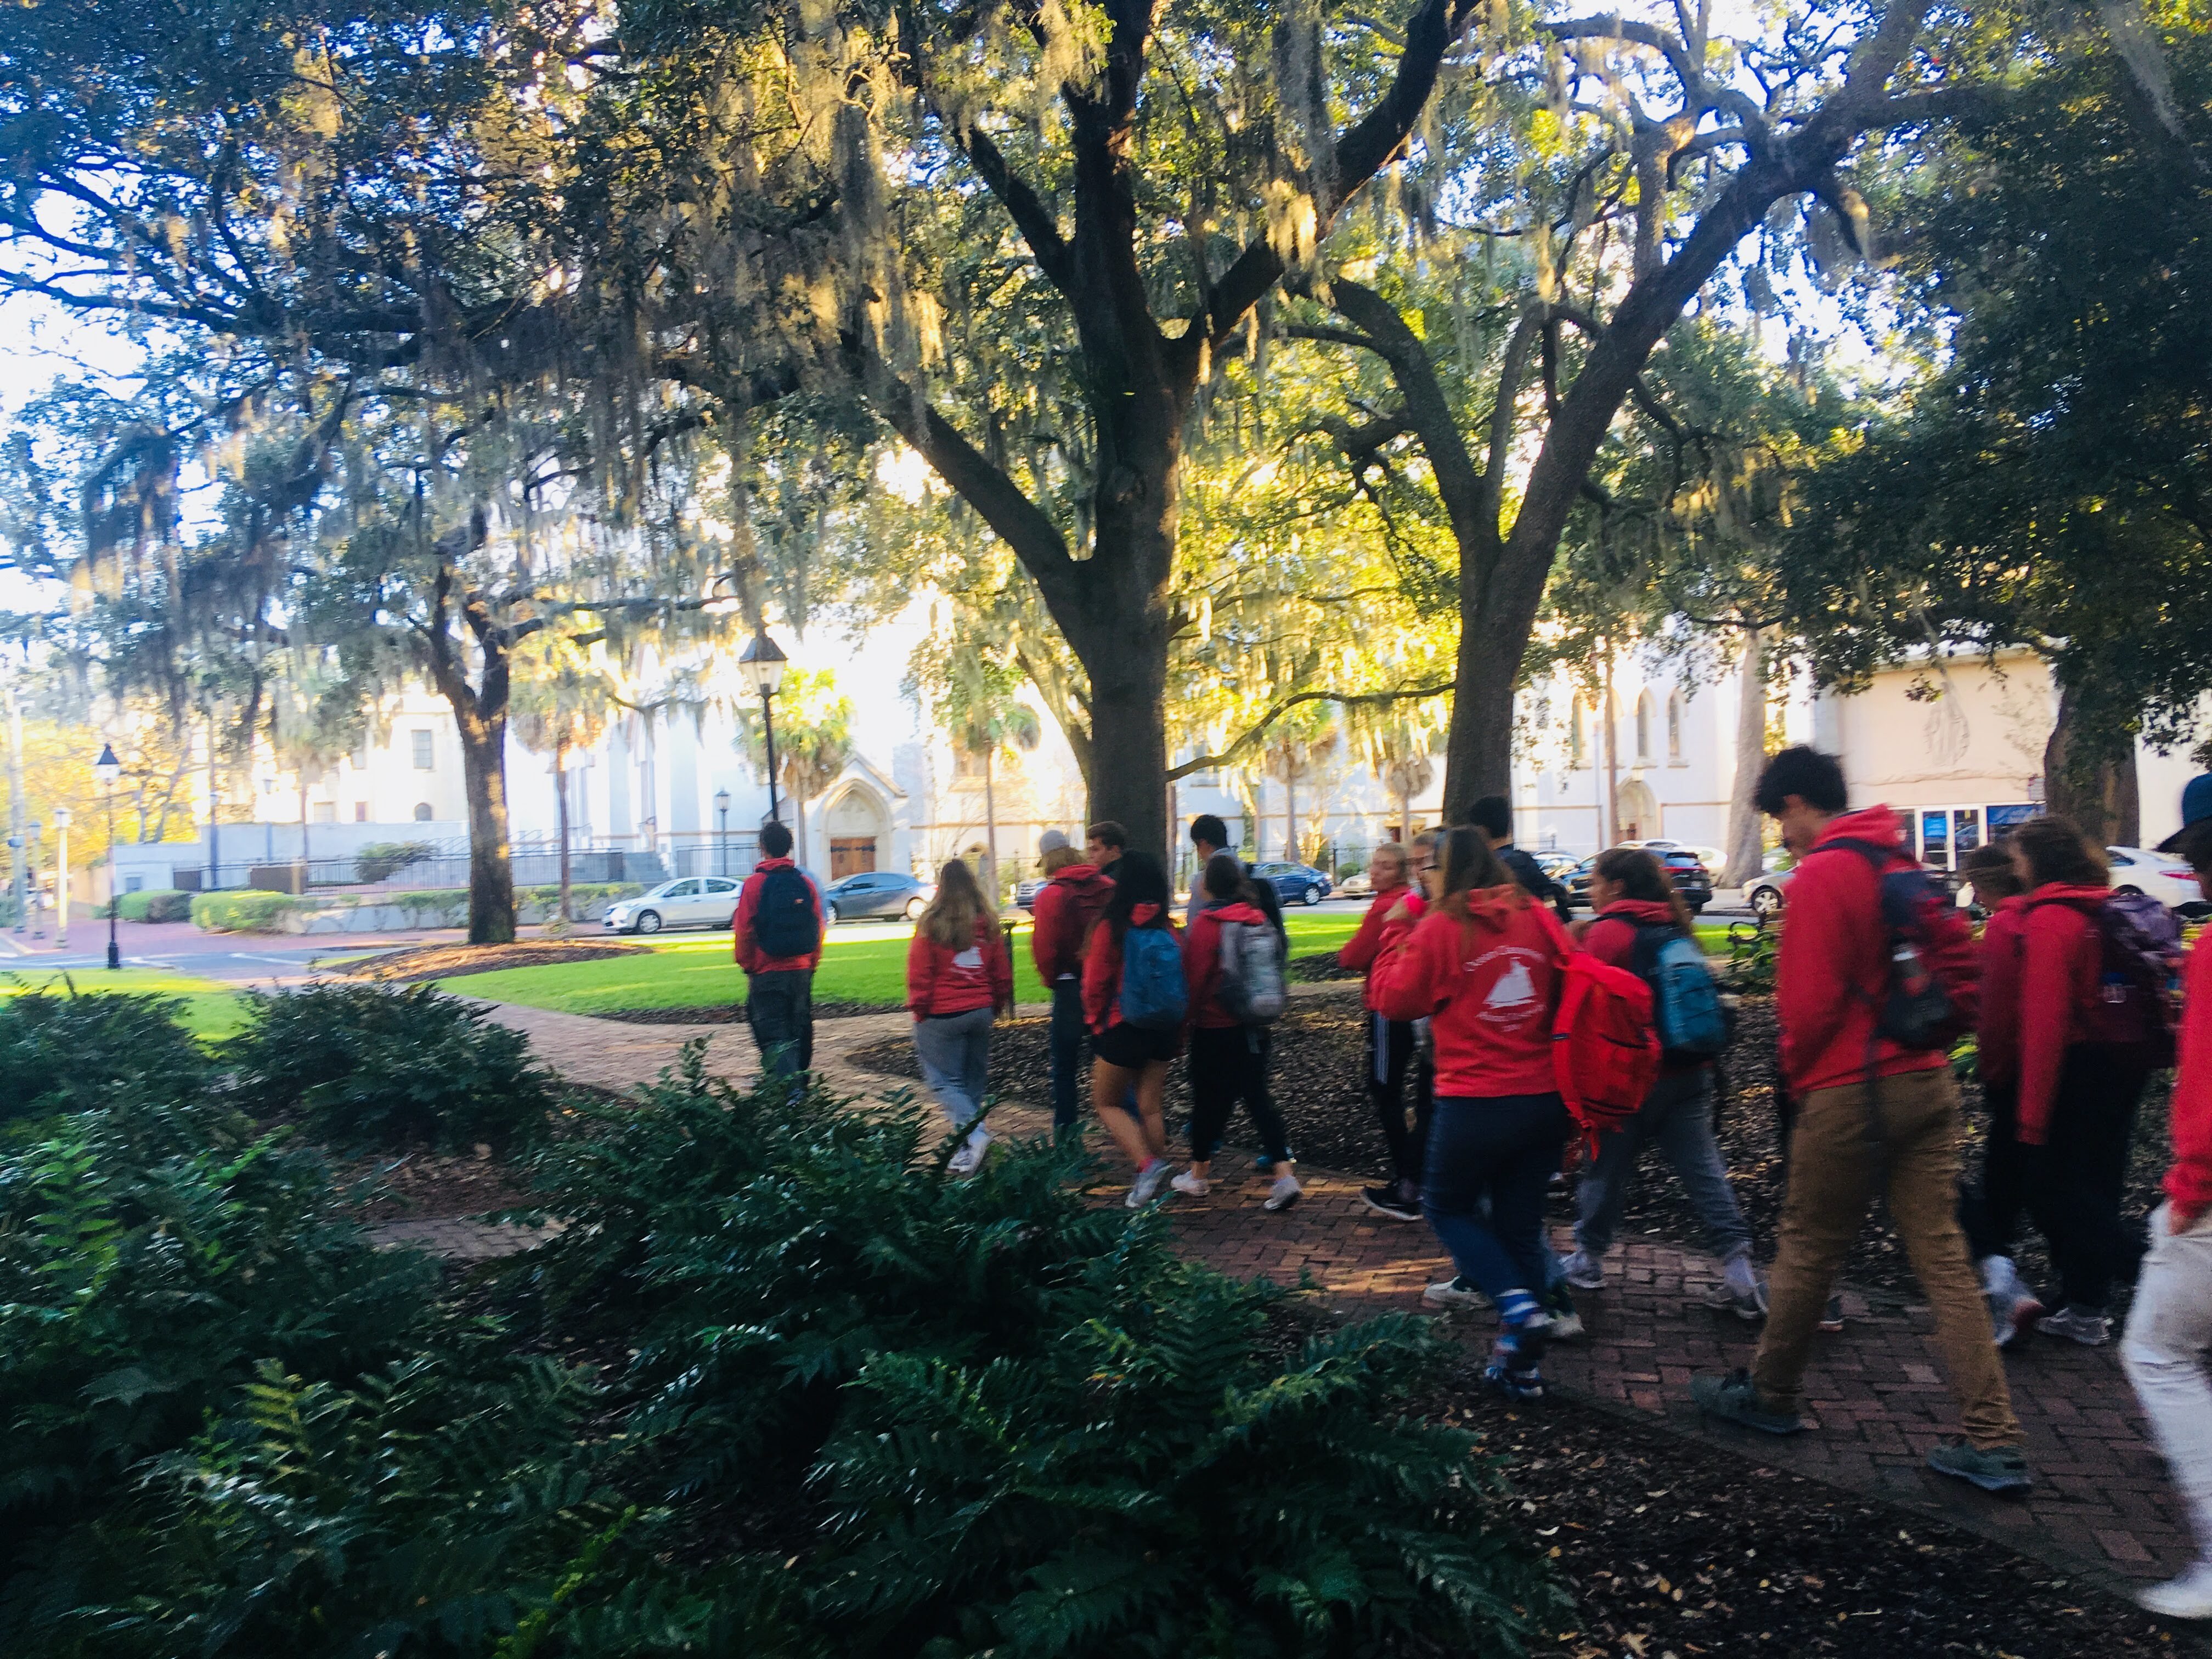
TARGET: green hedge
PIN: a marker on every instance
(581, 893)
(156, 904)
(240, 913)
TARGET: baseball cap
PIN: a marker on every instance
(1051, 841)
(2196, 808)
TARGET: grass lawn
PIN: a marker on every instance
(210, 1010)
(696, 972)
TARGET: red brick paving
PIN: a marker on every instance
(2102, 1505)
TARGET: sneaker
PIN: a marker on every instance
(2000, 1468)
(1191, 1185)
(1284, 1192)
(1146, 1185)
(1734, 1398)
(1832, 1320)
(1584, 1270)
(1560, 1308)
(2083, 1325)
(1524, 1384)
(2189, 1596)
(1387, 1202)
(1458, 1295)
(2013, 1314)
(970, 1157)
(1739, 1293)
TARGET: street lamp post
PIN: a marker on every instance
(107, 769)
(722, 832)
(31, 859)
(763, 664)
(61, 878)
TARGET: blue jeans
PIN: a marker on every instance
(1678, 1118)
(1068, 1068)
(955, 1052)
(1499, 1152)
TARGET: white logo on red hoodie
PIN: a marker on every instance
(1511, 998)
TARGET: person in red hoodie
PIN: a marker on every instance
(2061, 1107)
(1073, 898)
(2169, 1330)
(1870, 1109)
(1481, 965)
(779, 987)
(1637, 905)
(1229, 1058)
(1391, 1046)
(1129, 1057)
(958, 980)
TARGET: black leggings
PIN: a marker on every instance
(2071, 1186)
(1229, 1064)
(1391, 1048)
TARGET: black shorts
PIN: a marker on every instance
(1132, 1046)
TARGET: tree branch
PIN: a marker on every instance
(1346, 699)
(1039, 227)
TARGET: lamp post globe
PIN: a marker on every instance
(722, 832)
(107, 769)
(762, 662)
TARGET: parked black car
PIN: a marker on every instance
(1294, 883)
(877, 893)
(1687, 872)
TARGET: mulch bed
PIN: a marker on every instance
(431, 1186)
(733, 1013)
(1676, 1546)
(424, 961)
(1317, 1071)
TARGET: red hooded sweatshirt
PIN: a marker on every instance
(1201, 960)
(2042, 959)
(741, 930)
(2189, 1180)
(942, 981)
(1486, 983)
(1101, 969)
(1359, 953)
(1833, 961)
(1610, 936)
(1064, 908)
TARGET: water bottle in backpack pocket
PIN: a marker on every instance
(1252, 987)
(1153, 993)
(1931, 992)
(1687, 1012)
(2139, 942)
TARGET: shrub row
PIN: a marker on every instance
(870, 1412)
(155, 904)
(245, 912)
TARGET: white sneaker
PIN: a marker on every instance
(1454, 1293)
(2189, 1596)
(969, 1158)
(1284, 1192)
(1584, 1270)
(1191, 1186)
(1147, 1184)
(2090, 1329)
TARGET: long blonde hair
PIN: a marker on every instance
(955, 914)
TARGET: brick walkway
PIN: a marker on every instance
(2102, 1507)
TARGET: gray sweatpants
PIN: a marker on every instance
(955, 1051)
(2167, 1344)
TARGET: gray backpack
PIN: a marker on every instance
(1252, 986)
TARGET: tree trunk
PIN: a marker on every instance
(1745, 849)
(990, 834)
(2089, 777)
(491, 869)
(1612, 719)
(1290, 814)
(560, 813)
(306, 868)
(799, 814)
(1126, 657)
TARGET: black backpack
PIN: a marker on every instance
(784, 921)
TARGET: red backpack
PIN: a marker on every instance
(1604, 1051)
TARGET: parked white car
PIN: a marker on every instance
(2168, 880)
(1763, 896)
(689, 902)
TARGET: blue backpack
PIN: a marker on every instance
(1690, 1020)
(1153, 994)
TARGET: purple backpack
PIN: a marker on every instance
(2141, 942)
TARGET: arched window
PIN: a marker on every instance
(1644, 726)
(421, 811)
(1675, 725)
(1576, 735)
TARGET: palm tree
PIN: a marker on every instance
(315, 717)
(1295, 755)
(1397, 750)
(559, 704)
(989, 727)
(811, 756)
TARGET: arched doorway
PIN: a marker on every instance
(1640, 811)
(858, 829)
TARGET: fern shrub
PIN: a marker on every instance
(1020, 1422)
(61, 1053)
(386, 1067)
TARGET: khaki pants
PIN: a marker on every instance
(1834, 1164)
